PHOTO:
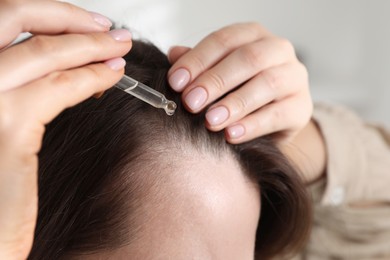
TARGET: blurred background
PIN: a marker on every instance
(344, 44)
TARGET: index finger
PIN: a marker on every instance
(46, 17)
(211, 50)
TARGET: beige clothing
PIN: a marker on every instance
(352, 204)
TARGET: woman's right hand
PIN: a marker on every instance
(71, 57)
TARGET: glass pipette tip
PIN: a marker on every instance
(146, 94)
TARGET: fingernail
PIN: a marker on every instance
(101, 19)
(236, 131)
(217, 115)
(116, 64)
(196, 98)
(120, 35)
(179, 79)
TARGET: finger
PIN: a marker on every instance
(176, 52)
(211, 50)
(98, 94)
(19, 202)
(236, 68)
(46, 17)
(273, 118)
(270, 85)
(44, 54)
(44, 99)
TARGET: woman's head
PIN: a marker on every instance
(118, 177)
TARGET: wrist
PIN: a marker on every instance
(307, 151)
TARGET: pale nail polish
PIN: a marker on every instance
(116, 64)
(236, 131)
(179, 79)
(217, 116)
(101, 19)
(120, 35)
(196, 98)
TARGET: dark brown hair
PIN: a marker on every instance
(92, 155)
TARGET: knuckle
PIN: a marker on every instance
(96, 41)
(222, 38)
(89, 78)
(254, 26)
(197, 62)
(239, 103)
(273, 81)
(68, 82)
(92, 72)
(92, 43)
(286, 46)
(42, 45)
(252, 54)
(217, 83)
(69, 8)
(60, 78)
(277, 116)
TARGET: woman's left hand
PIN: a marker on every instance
(267, 87)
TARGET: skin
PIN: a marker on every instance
(308, 152)
(267, 86)
(72, 56)
(267, 93)
(206, 208)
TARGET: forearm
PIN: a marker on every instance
(308, 152)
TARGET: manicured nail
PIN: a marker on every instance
(179, 79)
(101, 19)
(116, 64)
(196, 98)
(236, 131)
(120, 35)
(217, 116)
